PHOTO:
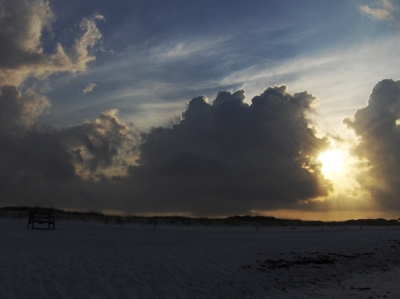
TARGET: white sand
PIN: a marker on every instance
(95, 260)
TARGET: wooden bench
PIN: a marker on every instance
(41, 217)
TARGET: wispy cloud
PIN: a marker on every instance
(89, 88)
(385, 11)
(339, 77)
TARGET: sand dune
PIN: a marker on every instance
(96, 260)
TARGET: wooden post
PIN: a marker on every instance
(155, 222)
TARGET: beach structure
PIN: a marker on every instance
(41, 217)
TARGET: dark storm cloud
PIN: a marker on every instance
(86, 149)
(231, 157)
(38, 161)
(378, 128)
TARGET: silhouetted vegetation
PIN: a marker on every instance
(247, 220)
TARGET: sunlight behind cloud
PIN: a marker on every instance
(332, 161)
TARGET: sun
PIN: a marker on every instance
(332, 161)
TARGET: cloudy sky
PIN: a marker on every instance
(285, 108)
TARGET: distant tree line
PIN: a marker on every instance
(247, 220)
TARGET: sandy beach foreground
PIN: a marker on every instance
(97, 260)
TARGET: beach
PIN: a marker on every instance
(92, 259)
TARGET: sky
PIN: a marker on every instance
(283, 108)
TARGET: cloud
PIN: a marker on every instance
(89, 88)
(322, 74)
(230, 157)
(221, 158)
(41, 165)
(377, 126)
(105, 143)
(22, 55)
(21, 52)
(91, 36)
(20, 109)
(385, 12)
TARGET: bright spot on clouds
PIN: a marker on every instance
(332, 161)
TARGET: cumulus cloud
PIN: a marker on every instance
(21, 52)
(230, 157)
(89, 88)
(377, 126)
(20, 110)
(385, 12)
(41, 160)
(22, 55)
(222, 158)
(99, 145)
(39, 164)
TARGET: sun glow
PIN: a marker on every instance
(332, 161)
